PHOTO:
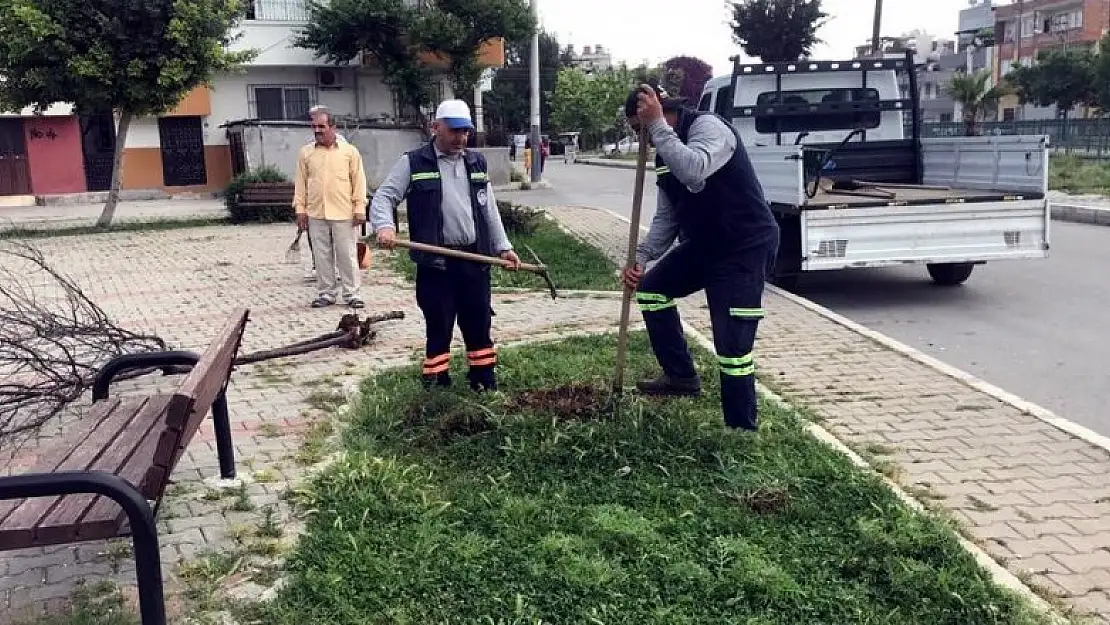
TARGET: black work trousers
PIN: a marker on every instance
(460, 291)
(733, 286)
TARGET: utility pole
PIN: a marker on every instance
(535, 74)
(876, 27)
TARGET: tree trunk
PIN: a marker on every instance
(117, 172)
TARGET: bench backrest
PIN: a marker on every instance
(208, 378)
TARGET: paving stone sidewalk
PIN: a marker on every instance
(181, 285)
(1035, 498)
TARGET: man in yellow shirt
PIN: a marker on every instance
(329, 198)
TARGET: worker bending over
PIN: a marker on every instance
(450, 204)
(708, 197)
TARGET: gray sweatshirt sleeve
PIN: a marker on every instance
(709, 147)
(392, 191)
(499, 241)
(664, 229)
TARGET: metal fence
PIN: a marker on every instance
(1087, 138)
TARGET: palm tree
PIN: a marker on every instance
(976, 98)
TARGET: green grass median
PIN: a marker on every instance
(541, 504)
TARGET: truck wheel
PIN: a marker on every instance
(787, 282)
(949, 274)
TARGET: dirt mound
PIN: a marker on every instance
(576, 402)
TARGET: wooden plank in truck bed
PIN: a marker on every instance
(911, 197)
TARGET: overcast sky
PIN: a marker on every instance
(659, 29)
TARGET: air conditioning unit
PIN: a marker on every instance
(329, 78)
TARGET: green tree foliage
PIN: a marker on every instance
(777, 30)
(1060, 78)
(397, 33)
(134, 57)
(508, 106)
(590, 103)
(456, 29)
(1101, 75)
(693, 74)
(976, 98)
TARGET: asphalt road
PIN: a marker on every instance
(1039, 329)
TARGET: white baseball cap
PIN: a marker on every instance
(454, 113)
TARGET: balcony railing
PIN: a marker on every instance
(278, 10)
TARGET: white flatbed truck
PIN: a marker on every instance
(837, 149)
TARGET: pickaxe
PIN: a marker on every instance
(538, 268)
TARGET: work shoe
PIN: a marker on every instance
(482, 381)
(439, 379)
(322, 301)
(665, 385)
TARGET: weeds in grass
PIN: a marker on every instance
(100, 603)
(1072, 174)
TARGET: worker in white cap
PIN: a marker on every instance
(450, 204)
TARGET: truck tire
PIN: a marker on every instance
(950, 274)
(787, 282)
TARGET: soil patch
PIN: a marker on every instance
(574, 402)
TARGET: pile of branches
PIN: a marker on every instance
(53, 339)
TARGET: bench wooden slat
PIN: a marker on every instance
(139, 439)
(101, 423)
(93, 422)
(138, 444)
(89, 445)
(209, 377)
(105, 518)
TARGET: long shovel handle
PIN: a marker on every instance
(633, 240)
(460, 254)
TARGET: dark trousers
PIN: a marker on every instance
(734, 289)
(461, 291)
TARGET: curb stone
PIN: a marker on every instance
(1068, 212)
(998, 573)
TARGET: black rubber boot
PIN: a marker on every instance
(482, 379)
(667, 386)
(439, 379)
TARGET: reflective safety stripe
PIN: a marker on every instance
(744, 365)
(479, 176)
(437, 364)
(747, 313)
(428, 175)
(482, 357)
(659, 171)
(653, 302)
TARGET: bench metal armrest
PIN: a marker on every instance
(144, 532)
(169, 362)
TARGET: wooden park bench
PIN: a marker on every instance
(96, 481)
(264, 194)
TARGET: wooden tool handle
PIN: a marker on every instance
(478, 258)
(633, 238)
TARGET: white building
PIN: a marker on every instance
(595, 58)
(189, 148)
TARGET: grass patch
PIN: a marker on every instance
(537, 505)
(1072, 174)
(101, 603)
(573, 263)
(47, 232)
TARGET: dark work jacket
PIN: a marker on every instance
(425, 198)
(730, 214)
